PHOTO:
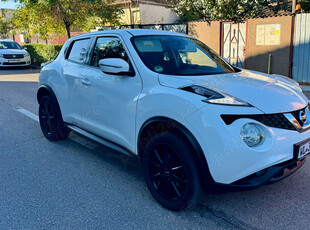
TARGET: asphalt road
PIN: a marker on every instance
(79, 184)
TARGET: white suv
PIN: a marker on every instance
(13, 55)
(194, 120)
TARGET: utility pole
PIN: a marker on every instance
(293, 6)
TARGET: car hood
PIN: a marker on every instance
(268, 93)
(12, 51)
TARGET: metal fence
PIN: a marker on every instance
(301, 61)
(179, 28)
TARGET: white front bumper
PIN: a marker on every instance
(229, 158)
(26, 61)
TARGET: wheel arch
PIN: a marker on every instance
(45, 90)
(156, 125)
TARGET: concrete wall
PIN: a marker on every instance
(152, 14)
(257, 55)
(54, 41)
(148, 14)
(135, 15)
(207, 32)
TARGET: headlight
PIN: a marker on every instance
(252, 134)
(26, 55)
(215, 96)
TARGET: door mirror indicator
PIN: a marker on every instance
(115, 66)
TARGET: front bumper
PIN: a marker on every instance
(267, 176)
(229, 159)
(26, 61)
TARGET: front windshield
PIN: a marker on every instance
(176, 55)
(10, 45)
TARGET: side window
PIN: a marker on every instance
(108, 47)
(79, 50)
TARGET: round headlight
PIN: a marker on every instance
(252, 134)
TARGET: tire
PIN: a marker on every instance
(170, 171)
(51, 122)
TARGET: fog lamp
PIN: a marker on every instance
(252, 134)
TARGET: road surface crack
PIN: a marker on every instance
(236, 224)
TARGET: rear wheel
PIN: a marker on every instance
(51, 121)
(170, 171)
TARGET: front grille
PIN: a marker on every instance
(277, 120)
(296, 115)
(14, 63)
(13, 56)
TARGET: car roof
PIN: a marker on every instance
(6, 40)
(133, 32)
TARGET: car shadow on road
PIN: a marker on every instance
(267, 207)
(18, 70)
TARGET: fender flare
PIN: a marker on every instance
(200, 158)
(43, 89)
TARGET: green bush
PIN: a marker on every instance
(41, 53)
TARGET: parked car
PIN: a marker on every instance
(12, 54)
(195, 121)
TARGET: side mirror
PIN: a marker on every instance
(115, 66)
(25, 48)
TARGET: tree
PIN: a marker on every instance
(234, 10)
(278, 5)
(217, 9)
(4, 26)
(305, 5)
(46, 17)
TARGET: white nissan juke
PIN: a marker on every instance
(195, 121)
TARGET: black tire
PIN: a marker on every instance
(170, 171)
(51, 121)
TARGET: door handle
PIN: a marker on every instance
(86, 82)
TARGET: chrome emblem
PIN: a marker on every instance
(14, 56)
(302, 116)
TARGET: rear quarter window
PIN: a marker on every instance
(78, 50)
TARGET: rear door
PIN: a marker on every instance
(73, 69)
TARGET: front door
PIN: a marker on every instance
(109, 102)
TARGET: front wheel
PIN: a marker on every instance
(51, 121)
(170, 171)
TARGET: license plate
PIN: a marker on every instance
(13, 61)
(302, 149)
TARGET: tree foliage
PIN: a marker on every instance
(235, 10)
(4, 26)
(305, 5)
(47, 17)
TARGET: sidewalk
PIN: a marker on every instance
(22, 75)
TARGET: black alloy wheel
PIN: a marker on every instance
(51, 121)
(170, 171)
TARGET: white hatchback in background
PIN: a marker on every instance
(13, 55)
(193, 119)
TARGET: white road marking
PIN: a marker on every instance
(28, 114)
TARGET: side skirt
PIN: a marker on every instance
(102, 141)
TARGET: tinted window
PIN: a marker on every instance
(9, 45)
(79, 50)
(108, 47)
(179, 56)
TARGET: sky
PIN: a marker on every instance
(8, 4)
